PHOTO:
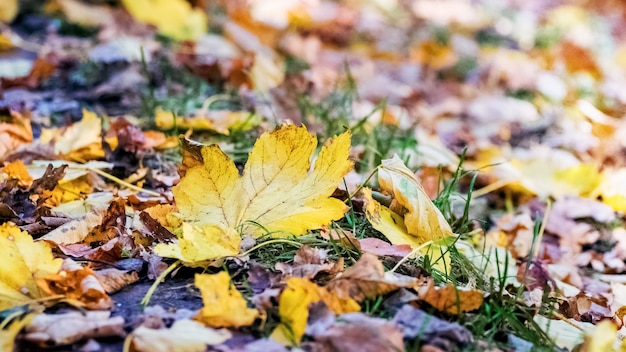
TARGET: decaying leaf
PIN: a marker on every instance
(224, 306)
(185, 336)
(293, 308)
(381, 248)
(50, 330)
(77, 284)
(431, 330)
(356, 331)
(113, 279)
(367, 279)
(451, 299)
(23, 263)
(277, 193)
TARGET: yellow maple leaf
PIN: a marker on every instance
(293, 308)
(224, 306)
(22, 263)
(173, 18)
(277, 192)
(200, 243)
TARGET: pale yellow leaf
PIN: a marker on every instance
(22, 263)
(83, 13)
(173, 18)
(184, 336)
(198, 243)
(10, 330)
(224, 306)
(8, 10)
(422, 220)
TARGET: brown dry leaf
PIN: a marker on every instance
(367, 279)
(14, 133)
(113, 279)
(50, 330)
(310, 261)
(77, 284)
(343, 236)
(451, 299)
(183, 336)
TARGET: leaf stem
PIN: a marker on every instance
(406, 257)
(358, 189)
(123, 183)
(263, 244)
(146, 298)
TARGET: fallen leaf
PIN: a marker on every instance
(357, 331)
(18, 171)
(367, 279)
(50, 330)
(277, 191)
(224, 306)
(15, 132)
(416, 323)
(184, 336)
(381, 248)
(82, 13)
(565, 334)
(113, 279)
(8, 10)
(77, 284)
(310, 261)
(293, 308)
(10, 329)
(220, 121)
(422, 219)
(199, 243)
(451, 299)
(23, 264)
(80, 141)
(173, 18)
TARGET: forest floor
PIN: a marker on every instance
(372, 175)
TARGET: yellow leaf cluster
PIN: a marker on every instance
(173, 18)
(224, 306)
(277, 193)
(293, 308)
(23, 263)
